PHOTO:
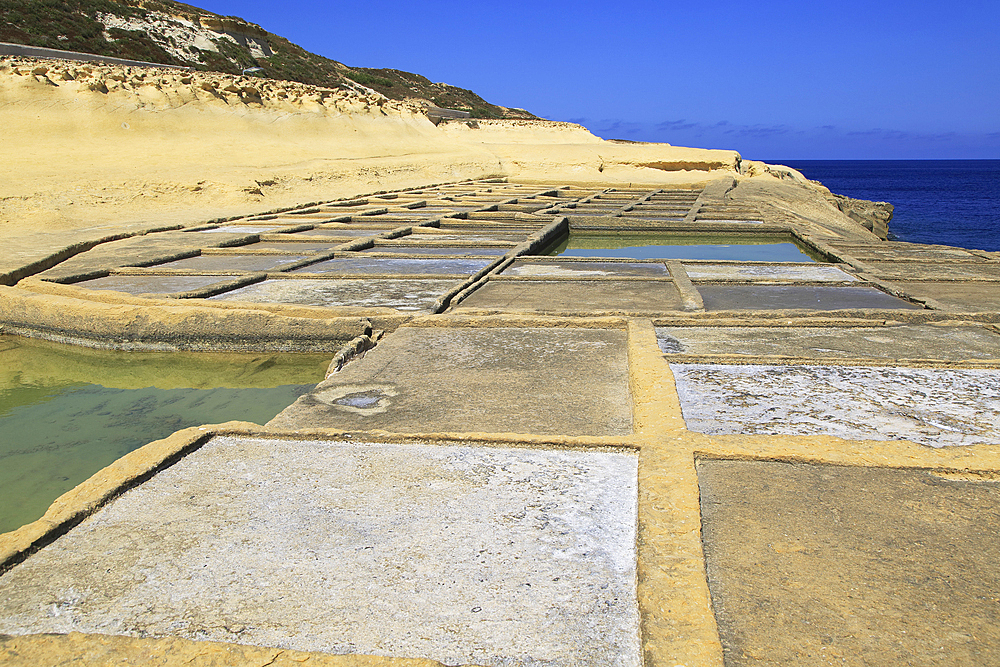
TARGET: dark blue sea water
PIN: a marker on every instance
(948, 202)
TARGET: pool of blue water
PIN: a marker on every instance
(745, 248)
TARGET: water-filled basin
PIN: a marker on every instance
(660, 245)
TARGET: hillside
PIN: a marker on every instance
(172, 33)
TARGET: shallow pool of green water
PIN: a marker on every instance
(67, 412)
(677, 246)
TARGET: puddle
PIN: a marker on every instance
(750, 248)
(67, 412)
(366, 399)
(360, 399)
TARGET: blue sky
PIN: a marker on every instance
(771, 79)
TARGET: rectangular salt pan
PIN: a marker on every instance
(948, 343)
(375, 265)
(242, 229)
(810, 273)
(850, 565)
(478, 555)
(586, 269)
(151, 284)
(778, 297)
(404, 295)
(232, 262)
(458, 251)
(933, 407)
(338, 233)
(292, 246)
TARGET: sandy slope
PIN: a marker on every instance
(545, 150)
(90, 148)
(86, 144)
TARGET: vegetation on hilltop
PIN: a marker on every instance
(173, 33)
(72, 25)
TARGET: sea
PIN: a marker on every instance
(945, 202)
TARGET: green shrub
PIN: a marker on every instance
(368, 80)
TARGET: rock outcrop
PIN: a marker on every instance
(872, 215)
